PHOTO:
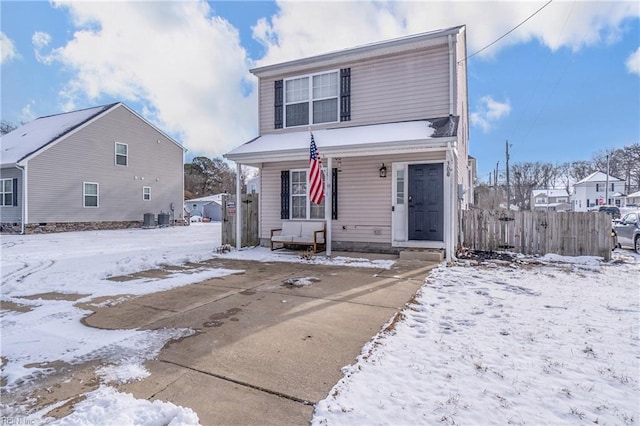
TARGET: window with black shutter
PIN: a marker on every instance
(278, 105)
(345, 94)
(301, 202)
(15, 191)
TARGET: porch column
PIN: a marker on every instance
(238, 206)
(328, 202)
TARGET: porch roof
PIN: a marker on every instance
(375, 139)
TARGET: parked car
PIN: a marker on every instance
(614, 211)
(627, 230)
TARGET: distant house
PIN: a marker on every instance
(97, 168)
(595, 190)
(209, 207)
(550, 200)
(390, 121)
(633, 199)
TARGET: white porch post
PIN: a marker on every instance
(238, 206)
(328, 202)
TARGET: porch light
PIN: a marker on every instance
(383, 171)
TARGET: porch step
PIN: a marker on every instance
(424, 255)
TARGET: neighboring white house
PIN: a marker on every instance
(633, 199)
(550, 199)
(209, 207)
(592, 191)
(390, 121)
(97, 168)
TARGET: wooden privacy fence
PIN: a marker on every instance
(249, 219)
(538, 232)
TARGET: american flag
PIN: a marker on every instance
(316, 185)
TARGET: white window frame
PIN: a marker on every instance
(146, 193)
(125, 155)
(4, 193)
(307, 201)
(310, 99)
(85, 195)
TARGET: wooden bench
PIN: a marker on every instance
(299, 233)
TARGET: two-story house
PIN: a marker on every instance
(550, 199)
(390, 122)
(595, 190)
(97, 168)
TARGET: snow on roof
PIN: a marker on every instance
(597, 177)
(337, 140)
(634, 194)
(551, 192)
(217, 198)
(36, 134)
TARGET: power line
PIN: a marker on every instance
(508, 32)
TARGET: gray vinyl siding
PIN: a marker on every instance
(407, 86)
(56, 175)
(364, 199)
(12, 214)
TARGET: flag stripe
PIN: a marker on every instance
(316, 185)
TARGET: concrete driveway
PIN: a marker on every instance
(265, 351)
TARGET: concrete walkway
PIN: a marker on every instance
(265, 352)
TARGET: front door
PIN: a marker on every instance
(426, 202)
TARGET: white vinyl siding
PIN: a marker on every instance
(122, 156)
(87, 156)
(407, 86)
(90, 194)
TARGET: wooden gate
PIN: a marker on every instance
(538, 232)
(249, 215)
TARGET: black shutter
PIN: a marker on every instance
(15, 192)
(334, 193)
(345, 94)
(277, 105)
(284, 194)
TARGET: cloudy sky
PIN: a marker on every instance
(562, 86)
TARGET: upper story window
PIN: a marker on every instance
(122, 154)
(312, 99)
(6, 192)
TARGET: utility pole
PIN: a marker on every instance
(508, 187)
(606, 188)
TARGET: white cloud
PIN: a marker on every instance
(7, 49)
(633, 62)
(307, 28)
(184, 66)
(26, 114)
(41, 40)
(488, 112)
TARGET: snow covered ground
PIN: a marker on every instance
(553, 341)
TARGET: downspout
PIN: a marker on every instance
(452, 71)
(450, 243)
(24, 197)
(238, 207)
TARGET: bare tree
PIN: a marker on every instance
(205, 176)
(6, 127)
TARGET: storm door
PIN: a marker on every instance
(426, 202)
